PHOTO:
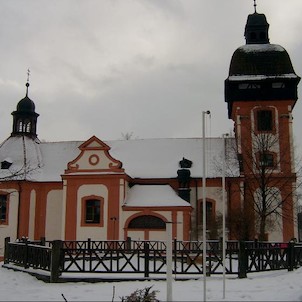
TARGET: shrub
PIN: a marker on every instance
(142, 295)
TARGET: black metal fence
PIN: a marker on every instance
(148, 258)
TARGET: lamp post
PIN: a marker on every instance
(204, 216)
(223, 211)
(169, 260)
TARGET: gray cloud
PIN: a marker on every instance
(144, 66)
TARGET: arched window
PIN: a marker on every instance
(28, 126)
(20, 126)
(147, 222)
(264, 120)
(213, 219)
(210, 213)
(266, 159)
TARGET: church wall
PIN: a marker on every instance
(111, 190)
(213, 194)
(32, 212)
(158, 235)
(54, 215)
(9, 229)
(93, 232)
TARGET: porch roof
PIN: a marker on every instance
(154, 196)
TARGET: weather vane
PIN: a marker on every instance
(27, 81)
(255, 5)
(28, 74)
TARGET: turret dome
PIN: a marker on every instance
(26, 105)
(261, 59)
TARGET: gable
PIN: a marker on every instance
(94, 157)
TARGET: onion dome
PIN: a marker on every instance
(26, 104)
(261, 59)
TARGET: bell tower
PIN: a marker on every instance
(25, 118)
(261, 92)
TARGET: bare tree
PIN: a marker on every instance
(270, 183)
(128, 136)
(24, 172)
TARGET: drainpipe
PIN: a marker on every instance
(19, 208)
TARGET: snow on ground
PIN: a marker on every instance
(266, 286)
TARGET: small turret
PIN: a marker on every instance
(25, 117)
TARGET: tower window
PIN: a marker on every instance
(242, 86)
(278, 85)
(266, 160)
(20, 126)
(264, 120)
(28, 124)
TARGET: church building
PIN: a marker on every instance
(113, 190)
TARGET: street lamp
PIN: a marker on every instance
(169, 260)
(204, 216)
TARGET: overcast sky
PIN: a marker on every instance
(147, 67)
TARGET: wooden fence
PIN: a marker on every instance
(148, 258)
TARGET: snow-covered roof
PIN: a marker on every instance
(141, 158)
(259, 77)
(261, 61)
(261, 48)
(154, 196)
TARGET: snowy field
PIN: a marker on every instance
(266, 286)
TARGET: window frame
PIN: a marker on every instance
(136, 223)
(210, 208)
(84, 221)
(5, 220)
(261, 123)
(264, 162)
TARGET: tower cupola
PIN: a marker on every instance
(25, 117)
(260, 70)
(256, 29)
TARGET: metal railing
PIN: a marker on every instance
(149, 257)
